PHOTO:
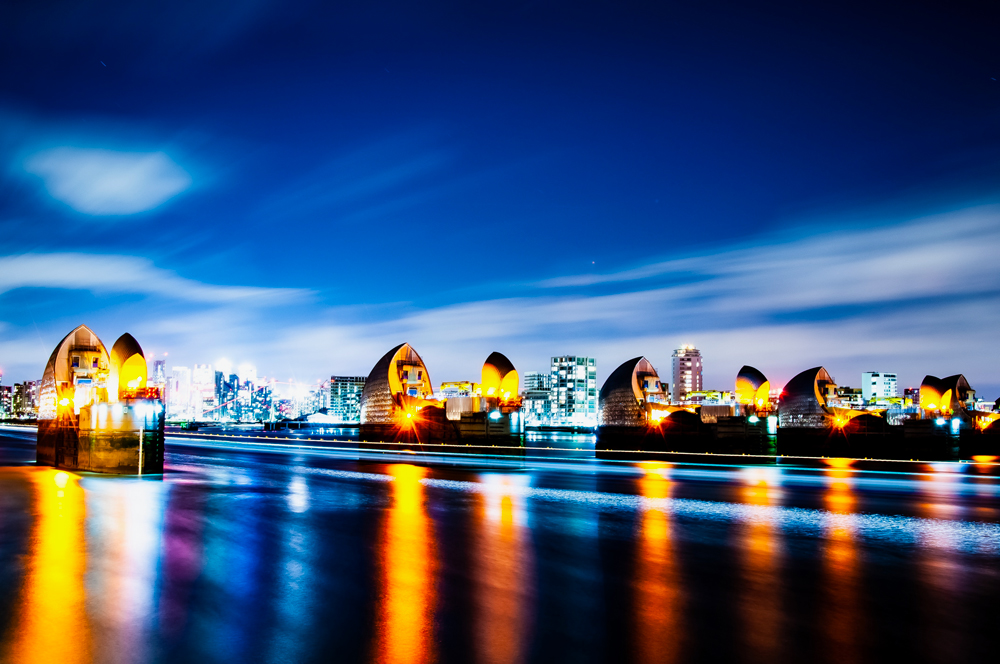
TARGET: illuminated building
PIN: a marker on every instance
(500, 379)
(395, 401)
(159, 373)
(686, 372)
(635, 415)
(752, 391)
(536, 404)
(345, 398)
(458, 388)
(803, 402)
(178, 394)
(814, 420)
(6, 401)
(850, 397)
(946, 396)
(912, 394)
(24, 399)
(632, 396)
(495, 415)
(96, 411)
(877, 384)
(709, 397)
(573, 385)
(397, 405)
(536, 380)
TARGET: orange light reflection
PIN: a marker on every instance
(841, 567)
(658, 597)
(53, 625)
(760, 600)
(503, 572)
(405, 627)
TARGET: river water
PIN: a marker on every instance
(250, 553)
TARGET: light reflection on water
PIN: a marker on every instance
(658, 627)
(843, 615)
(407, 569)
(760, 600)
(231, 560)
(52, 622)
(504, 571)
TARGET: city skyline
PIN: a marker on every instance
(245, 368)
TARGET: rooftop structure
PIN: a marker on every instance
(752, 390)
(631, 395)
(500, 378)
(397, 384)
(96, 411)
(803, 402)
(946, 396)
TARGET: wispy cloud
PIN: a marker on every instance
(886, 299)
(936, 256)
(106, 182)
(128, 274)
(919, 297)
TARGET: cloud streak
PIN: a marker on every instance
(104, 274)
(920, 297)
(106, 182)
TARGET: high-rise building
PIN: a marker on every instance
(159, 378)
(573, 391)
(179, 394)
(345, 398)
(877, 384)
(687, 372)
(24, 399)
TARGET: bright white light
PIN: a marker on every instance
(753, 419)
(939, 421)
(495, 415)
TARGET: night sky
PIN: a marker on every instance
(302, 186)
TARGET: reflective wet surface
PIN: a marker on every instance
(253, 553)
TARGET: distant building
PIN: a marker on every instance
(536, 380)
(877, 385)
(536, 397)
(687, 372)
(458, 388)
(159, 373)
(345, 398)
(573, 391)
(179, 394)
(6, 401)
(848, 397)
(24, 399)
(913, 394)
(709, 396)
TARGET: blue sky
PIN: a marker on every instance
(302, 186)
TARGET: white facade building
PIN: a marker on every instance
(573, 391)
(877, 385)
